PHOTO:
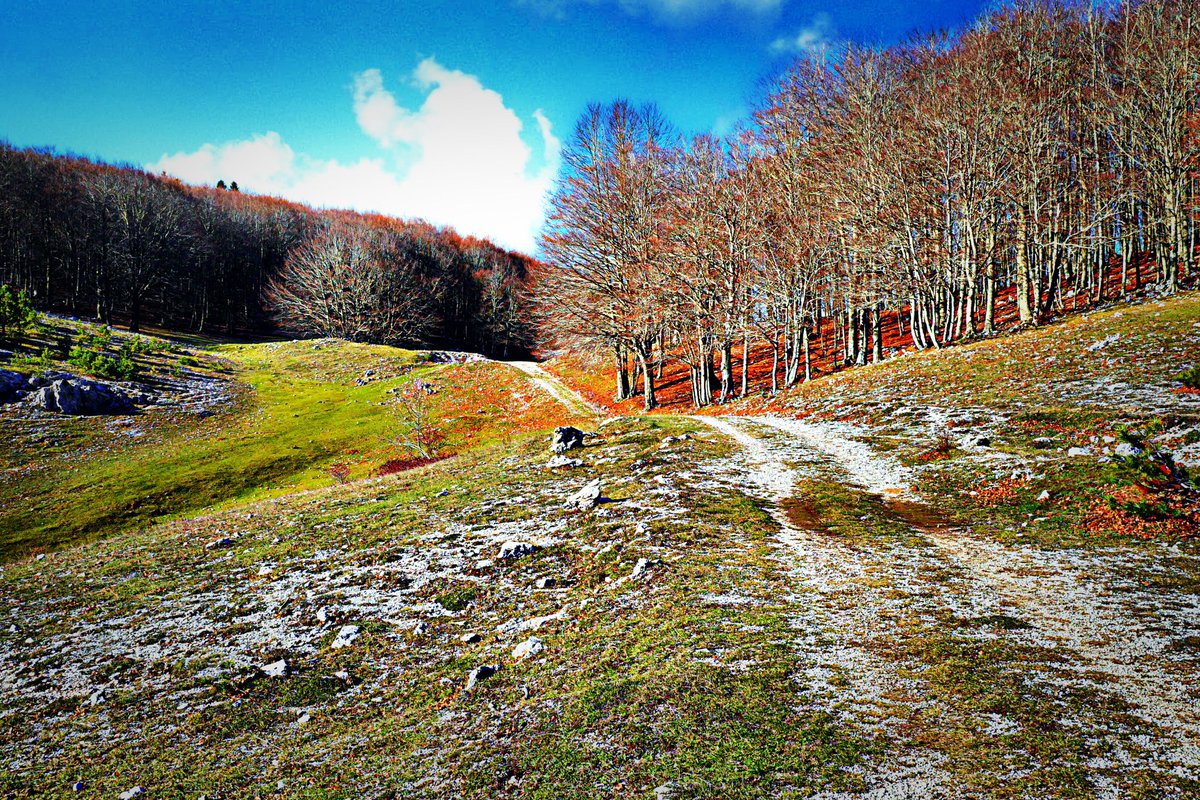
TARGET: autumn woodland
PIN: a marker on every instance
(878, 200)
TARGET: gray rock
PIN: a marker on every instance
(566, 438)
(78, 786)
(586, 498)
(1078, 452)
(345, 637)
(12, 386)
(136, 791)
(514, 550)
(1127, 450)
(278, 669)
(530, 647)
(470, 638)
(640, 568)
(665, 792)
(1043, 442)
(481, 673)
(975, 440)
(547, 583)
(560, 462)
(81, 397)
(219, 544)
(1044, 496)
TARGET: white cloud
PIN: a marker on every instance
(668, 10)
(815, 39)
(458, 160)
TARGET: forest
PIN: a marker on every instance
(880, 200)
(120, 245)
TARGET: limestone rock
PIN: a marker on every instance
(480, 673)
(345, 637)
(566, 438)
(586, 498)
(512, 550)
(530, 647)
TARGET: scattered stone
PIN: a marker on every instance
(78, 786)
(303, 719)
(219, 544)
(484, 563)
(278, 669)
(530, 647)
(640, 568)
(1043, 442)
(1044, 496)
(136, 791)
(345, 637)
(470, 638)
(323, 615)
(265, 570)
(546, 583)
(566, 438)
(586, 498)
(975, 440)
(513, 550)
(481, 673)
(665, 792)
(1127, 450)
(98, 697)
(562, 462)
(1078, 452)
(420, 628)
(1103, 343)
(443, 493)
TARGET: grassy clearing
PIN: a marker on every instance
(298, 409)
(642, 682)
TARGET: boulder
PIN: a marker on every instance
(558, 462)
(345, 637)
(480, 674)
(566, 438)
(586, 498)
(81, 397)
(975, 440)
(12, 386)
(530, 647)
(277, 669)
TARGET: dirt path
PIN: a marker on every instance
(572, 400)
(1109, 633)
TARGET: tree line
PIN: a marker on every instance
(1043, 160)
(125, 246)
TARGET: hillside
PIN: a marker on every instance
(905, 580)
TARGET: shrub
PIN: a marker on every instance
(95, 362)
(1190, 378)
(16, 312)
(340, 473)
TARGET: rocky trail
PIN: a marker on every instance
(571, 400)
(1094, 627)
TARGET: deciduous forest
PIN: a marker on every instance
(120, 245)
(1040, 162)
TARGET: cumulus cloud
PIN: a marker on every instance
(460, 159)
(815, 39)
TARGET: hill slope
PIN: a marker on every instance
(860, 600)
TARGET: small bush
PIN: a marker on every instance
(16, 311)
(94, 362)
(457, 599)
(394, 465)
(340, 473)
(1190, 378)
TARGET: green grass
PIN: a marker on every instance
(297, 411)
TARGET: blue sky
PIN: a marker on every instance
(452, 110)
